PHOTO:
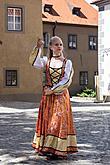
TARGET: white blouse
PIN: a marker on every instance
(40, 62)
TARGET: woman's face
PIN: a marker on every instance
(57, 47)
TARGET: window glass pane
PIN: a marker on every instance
(8, 82)
(17, 19)
(94, 39)
(74, 38)
(91, 43)
(94, 43)
(18, 27)
(14, 82)
(10, 11)
(70, 38)
(10, 26)
(70, 44)
(10, 18)
(74, 44)
(18, 12)
(8, 73)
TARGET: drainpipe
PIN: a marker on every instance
(54, 27)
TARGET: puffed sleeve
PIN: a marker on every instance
(66, 80)
(35, 58)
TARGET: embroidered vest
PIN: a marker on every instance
(54, 75)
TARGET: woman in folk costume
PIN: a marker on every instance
(55, 134)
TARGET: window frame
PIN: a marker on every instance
(72, 35)
(84, 78)
(14, 23)
(11, 79)
(46, 42)
(93, 48)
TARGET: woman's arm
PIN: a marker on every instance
(66, 80)
(35, 58)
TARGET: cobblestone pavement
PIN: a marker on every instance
(17, 125)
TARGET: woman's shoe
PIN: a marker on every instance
(56, 157)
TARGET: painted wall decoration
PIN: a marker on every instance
(104, 51)
(106, 71)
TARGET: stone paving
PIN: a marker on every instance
(17, 125)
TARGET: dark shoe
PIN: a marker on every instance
(56, 157)
(43, 153)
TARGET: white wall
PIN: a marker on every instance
(104, 51)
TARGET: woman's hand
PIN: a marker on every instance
(40, 43)
(48, 91)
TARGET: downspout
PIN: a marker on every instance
(54, 28)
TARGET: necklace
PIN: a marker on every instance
(56, 56)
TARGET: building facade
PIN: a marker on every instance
(20, 25)
(76, 23)
(103, 49)
(23, 22)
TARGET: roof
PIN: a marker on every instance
(100, 1)
(63, 12)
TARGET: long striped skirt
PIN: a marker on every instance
(55, 132)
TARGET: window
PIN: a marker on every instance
(95, 73)
(101, 8)
(95, 79)
(11, 78)
(72, 41)
(92, 42)
(83, 78)
(14, 19)
(46, 37)
(76, 11)
(48, 8)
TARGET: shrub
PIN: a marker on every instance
(87, 93)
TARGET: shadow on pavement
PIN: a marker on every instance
(17, 131)
(86, 104)
(19, 105)
(33, 105)
(16, 134)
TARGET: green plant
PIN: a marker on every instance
(87, 92)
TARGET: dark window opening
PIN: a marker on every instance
(72, 41)
(93, 43)
(83, 78)
(101, 8)
(11, 78)
(76, 11)
(49, 9)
